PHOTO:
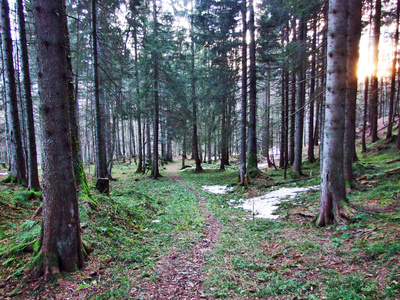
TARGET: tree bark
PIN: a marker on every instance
(195, 142)
(393, 75)
(79, 172)
(139, 111)
(284, 130)
(293, 90)
(101, 154)
(252, 146)
(300, 100)
(332, 177)
(155, 169)
(243, 118)
(353, 40)
(33, 176)
(292, 117)
(365, 114)
(374, 78)
(310, 150)
(17, 162)
(61, 247)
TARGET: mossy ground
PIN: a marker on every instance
(127, 232)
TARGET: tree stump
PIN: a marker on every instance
(103, 185)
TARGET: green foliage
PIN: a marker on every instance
(384, 249)
(22, 197)
(351, 287)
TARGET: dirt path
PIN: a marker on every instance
(180, 274)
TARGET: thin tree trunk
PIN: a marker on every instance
(364, 129)
(223, 136)
(80, 177)
(310, 151)
(252, 146)
(243, 118)
(300, 101)
(155, 169)
(148, 146)
(283, 119)
(33, 178)
(195, 146)
(353, 40)
(374, 78)
(393, 75)
(101, 155)
(17, 162)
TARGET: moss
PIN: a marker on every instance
(7, 179)
(37, 263)
(14, 180)
(296, 175)
(253, 172)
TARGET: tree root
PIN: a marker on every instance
(391, 161)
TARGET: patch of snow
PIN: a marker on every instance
(217, 189)
(156, 221)
(263, 166)
(264, 206)
(3, 174)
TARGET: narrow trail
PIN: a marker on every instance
(180, 274)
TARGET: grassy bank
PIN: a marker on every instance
(142, 220)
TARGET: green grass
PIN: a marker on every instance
(142, 219)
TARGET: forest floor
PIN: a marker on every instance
(171, 239)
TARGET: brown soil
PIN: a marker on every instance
(179, 275)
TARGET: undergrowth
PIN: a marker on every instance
(127, 233)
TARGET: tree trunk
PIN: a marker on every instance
(364, 128)
(155, 170)
(183, 150)
(353, 40)
(33, 176)
(224, 141)
(195, 143)
(148, 147)
(332, 178)
(243, 118)
(298, 147)
(374, 78)
(393, 75)
(79, 172)
(61, 247)
(252, 156)
(101, 155)
(310, 151)
(139, 113)
(17, 162)
(283, 119)
(267, 133)
(292, 117)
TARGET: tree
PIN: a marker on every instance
(332, 175)
(102, 183)
(33, 176)
(252, 146)
(373, 112)
(154, 54)
(301, 94)
(243, 125)
(393, 75)
(310, 151)
(195, 146)
(353, 40)
(60, 242)
(17, 162)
